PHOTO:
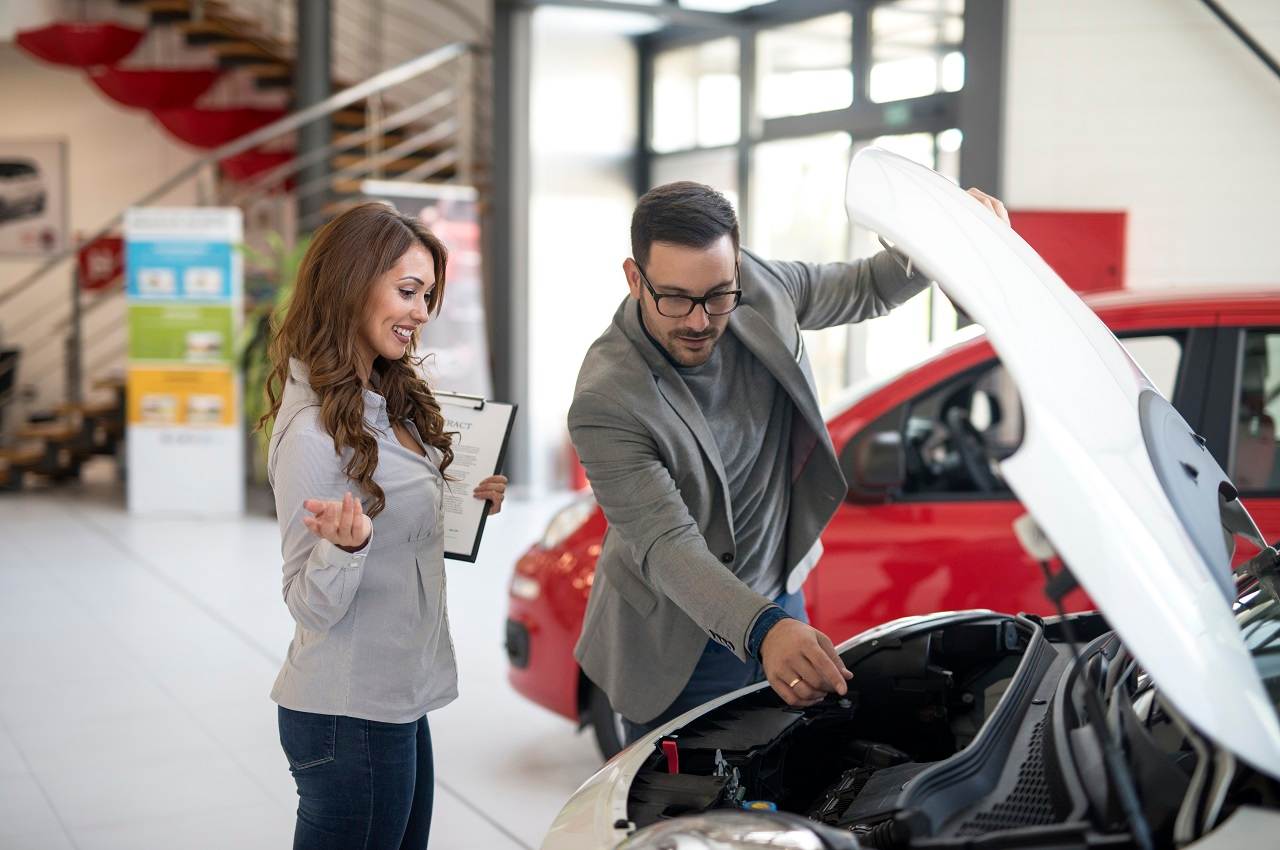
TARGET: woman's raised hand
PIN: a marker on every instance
(493, 488)
(343, 524)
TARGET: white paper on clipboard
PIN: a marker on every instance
(479, 447)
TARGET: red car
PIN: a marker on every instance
(921, 454)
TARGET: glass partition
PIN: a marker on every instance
(797, 213)
(805, 67)
(718, 168)
(882, 346)
(696, 96)
(915, 48)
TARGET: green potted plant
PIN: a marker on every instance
(271, 284)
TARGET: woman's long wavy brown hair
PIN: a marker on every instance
(320, 328)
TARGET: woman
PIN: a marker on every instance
(357, 459)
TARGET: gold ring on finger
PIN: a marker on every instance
(793, 682)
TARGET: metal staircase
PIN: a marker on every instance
(411, 98)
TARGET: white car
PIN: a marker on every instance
(1151, 723)
(22, 189)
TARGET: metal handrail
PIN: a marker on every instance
(436, 133)
(414, 13)
(55, 315)
(437, 163)
(273, 177)
(55, 320)
(370, 164)
(378, 82)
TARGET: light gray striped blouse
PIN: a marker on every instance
(372, 638)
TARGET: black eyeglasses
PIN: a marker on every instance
(679, 306)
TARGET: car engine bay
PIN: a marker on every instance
(949, 735)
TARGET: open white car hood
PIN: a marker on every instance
(1085, 472)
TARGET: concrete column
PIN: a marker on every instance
(311, 85)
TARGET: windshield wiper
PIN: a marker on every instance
(1264, 568)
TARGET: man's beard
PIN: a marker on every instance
(698, 357)
(669, 344)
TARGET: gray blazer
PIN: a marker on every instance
(663, 582)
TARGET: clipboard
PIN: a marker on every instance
(483, 430)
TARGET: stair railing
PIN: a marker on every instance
(429, 125)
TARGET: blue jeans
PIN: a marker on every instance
(362, 785)
(718, 672)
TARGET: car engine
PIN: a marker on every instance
(915, 701)
(949, 734)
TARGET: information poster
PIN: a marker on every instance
(33, 196)
(184, 283)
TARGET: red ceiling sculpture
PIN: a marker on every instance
(209, 128)
(154, 88)
(80, 45)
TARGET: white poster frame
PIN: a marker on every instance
(33, 206)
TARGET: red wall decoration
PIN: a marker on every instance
(1086, 249)
(101, 263)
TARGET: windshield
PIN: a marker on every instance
(865, 387)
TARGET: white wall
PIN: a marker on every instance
(25, 14)
(114, 156)
(582, 130)
(1153, 107)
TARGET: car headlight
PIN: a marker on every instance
(737, 830)
(567, 521)
(523, 587)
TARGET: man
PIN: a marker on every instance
(696, 418)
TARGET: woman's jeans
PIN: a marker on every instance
(717, 673)
(362, 785)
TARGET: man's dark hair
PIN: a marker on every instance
(681, 213)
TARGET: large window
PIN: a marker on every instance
(797, 207)
(797, 213)
(820, 89)
(806, 67)
(916, 48)
(715, 167)
(882, 346)
(696, 96)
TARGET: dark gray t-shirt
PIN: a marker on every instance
(749, 415)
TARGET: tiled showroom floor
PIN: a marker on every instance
(135, 661)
